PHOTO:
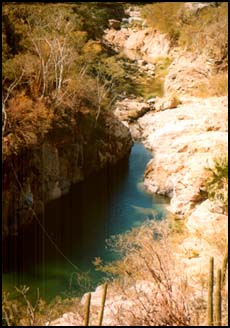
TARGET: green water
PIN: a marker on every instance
(107, 203)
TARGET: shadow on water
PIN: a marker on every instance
(107, 203)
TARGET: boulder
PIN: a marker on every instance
(116, 38)
(186, 73)
(68, 319)
(131, 109)
(115, 24)
(185, 140)
(204, 221)
(151, 44)
(195, 7)
(166, 103)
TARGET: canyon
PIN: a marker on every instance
(184, 131)
(185, 137)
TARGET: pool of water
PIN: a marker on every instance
(107, 203)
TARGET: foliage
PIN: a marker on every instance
(207, 31)
(51, 67)
(19, 310)
(112, 73)
(216, 85)
(148, 259)
(95, 16)
(217, 184)
(29, 121)
(162, 64)
(164, 17)
(204, 30)
(154, 86)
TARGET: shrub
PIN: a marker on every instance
(216, 85)
(162, 64)
(204, 30)
(20, 310)
(28, 122)
(207, 32)
(164, 299)
(217, 184)
(164, 17)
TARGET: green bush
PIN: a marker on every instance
(217, 183)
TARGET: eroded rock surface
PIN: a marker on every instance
(186, 73)
(184, 140)
(149, 43)
(131, 109)
(67, 156)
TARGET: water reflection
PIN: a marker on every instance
(107, 203)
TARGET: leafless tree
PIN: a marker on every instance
(5, 97)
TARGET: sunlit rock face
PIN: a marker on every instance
(184, 140)
(147, 43)
(186, 73)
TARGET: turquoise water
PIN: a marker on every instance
(107, 203)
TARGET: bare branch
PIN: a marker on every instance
(10, 89)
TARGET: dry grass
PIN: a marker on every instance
(149, 261)
(21, 311)
(216, 85)
(151, 278)
(148, 286)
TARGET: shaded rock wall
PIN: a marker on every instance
(37, 176)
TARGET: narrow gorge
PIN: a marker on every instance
(108, 168)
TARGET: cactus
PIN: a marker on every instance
(87, 309)
(102, 304)
(224, 268)
(210, 292)
(217, 314)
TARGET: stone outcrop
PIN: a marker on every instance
(131, 109)
(166, 103)
(195, 7)
(147, 43)
(207, 229)
(184, 140)
(115, 24)
(150, 43)
(68, 319)
(186, 73)
(116, 39)
(119, 307)
(66, 157)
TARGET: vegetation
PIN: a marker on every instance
(56, 69)
(217, 183)
(199, 31)
(19, 310)
(149, 87)
(147, 274)
(147, 258)
(87, 307)
(204, 30)
(214, 308)
(54, 66)
(207, 31)
(210, 292)
(216, 85)
(163, 16)
(168, 299)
